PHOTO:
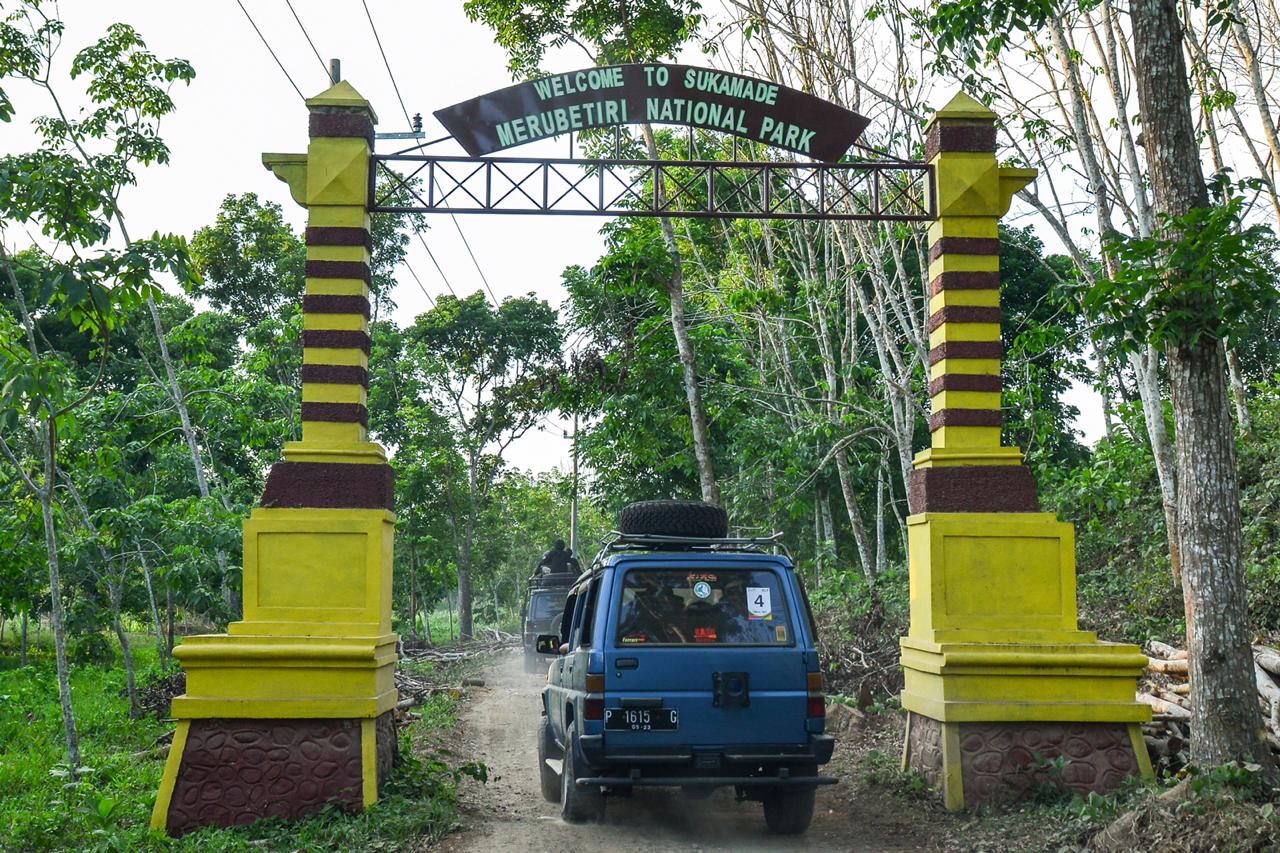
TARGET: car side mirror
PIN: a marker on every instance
(548, 644)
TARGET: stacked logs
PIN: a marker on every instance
(1166, 687)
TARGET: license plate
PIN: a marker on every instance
(641, 719)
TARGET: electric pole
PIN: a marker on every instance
(573, 505)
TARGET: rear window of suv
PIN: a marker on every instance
(544, 606)
(699, 607)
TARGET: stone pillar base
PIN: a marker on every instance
(232, 772)
(993, 763)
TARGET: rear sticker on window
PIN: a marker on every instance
(781, 633)
(704, 635)
(635, 638)
(758, 604)
(702, 589)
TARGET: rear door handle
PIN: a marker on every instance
(639, 702)
(627, 663)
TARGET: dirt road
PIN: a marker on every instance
(509, 813)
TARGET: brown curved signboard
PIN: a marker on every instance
(659, 94)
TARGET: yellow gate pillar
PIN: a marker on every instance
(291, 709)
(998, 677)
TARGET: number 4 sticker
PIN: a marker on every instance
(759, 605)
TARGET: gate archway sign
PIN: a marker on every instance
(753, 109)
(291, 709)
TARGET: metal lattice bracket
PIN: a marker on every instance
(878, 191)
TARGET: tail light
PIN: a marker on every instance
(817, 708)
(593, 705)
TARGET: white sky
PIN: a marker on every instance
(241, 105)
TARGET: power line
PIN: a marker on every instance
(432, 256)
(267, 45)
(319, 58)
(457, 225)
(420, 285)
(408, 121)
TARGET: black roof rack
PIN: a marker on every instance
(617, 541)
(551, 580)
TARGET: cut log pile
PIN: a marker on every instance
(487, 640)
(1166, 687)
(416, 686)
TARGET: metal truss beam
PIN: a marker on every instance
(879, 191)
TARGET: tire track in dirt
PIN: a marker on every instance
(499, 724)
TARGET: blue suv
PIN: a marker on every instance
(684, 660)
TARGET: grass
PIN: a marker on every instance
(109, 806)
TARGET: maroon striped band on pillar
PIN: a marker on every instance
(959, 135)
(339, 269)
(342, 413)
(964, 246)
(330, 485)
(964, 281)
(965, 349)
(335, 374)
(356, 124)
(332, 235)
(324, 303)
(337, 339)
(963, 314)
(972, 488)
(960, 417)
(964, 382)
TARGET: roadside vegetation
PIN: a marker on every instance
(107, 805)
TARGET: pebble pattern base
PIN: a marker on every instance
(235, 772)
(387, 746)
(924, 748)
(1001, 762)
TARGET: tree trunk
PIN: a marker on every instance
(55, 592)
(1145, 366)
(1225, 718)
(855, 516)
(828, 525)
(170, 612)
(465, 625)
(688, 361)
(23, 653)
(1238, 393)
(413, 590)
(818, 549)
(881, 553)
(126, 654)
(161, 649)
(189, 434)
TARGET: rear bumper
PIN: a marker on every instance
(817, 751)
(636, 779)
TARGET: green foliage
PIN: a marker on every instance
(1125, 585)
(1233, 781)
(610, 32)
(251, 261)
(107, 805)
(1205, 273)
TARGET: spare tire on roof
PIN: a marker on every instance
(674, 518)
